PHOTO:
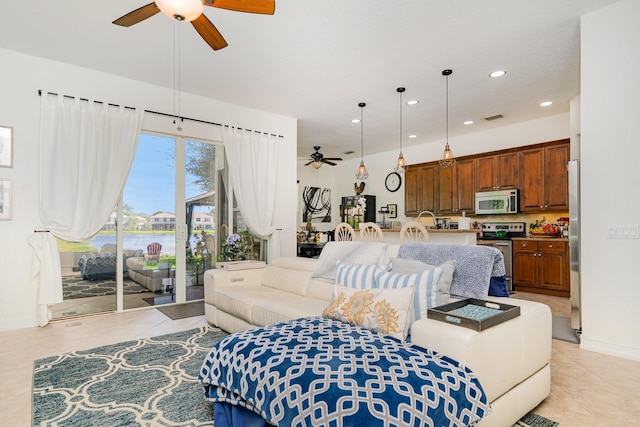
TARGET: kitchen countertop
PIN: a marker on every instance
(542, 239)
(432, 230)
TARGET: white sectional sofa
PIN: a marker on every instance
(511, 359)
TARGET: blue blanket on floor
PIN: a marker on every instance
(323, 372)
(479, 269)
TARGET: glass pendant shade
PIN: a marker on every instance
(316, 165)
(401, 165)
(181, 10)
(362, 173)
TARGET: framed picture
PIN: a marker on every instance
(6, 147)
(5, 199)
(393, 211)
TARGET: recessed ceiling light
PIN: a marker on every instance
(412, 102)
(355, 121)
(468, 122)
(545, 103)
(413, 136)
(498, 73)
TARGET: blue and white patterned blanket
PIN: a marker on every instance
(323, 372)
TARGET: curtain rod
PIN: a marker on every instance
(157, 112)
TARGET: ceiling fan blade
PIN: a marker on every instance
(137, 15)
(267, 7)
(308, 163)
(209, 32)
(328, 162)
(333, 158)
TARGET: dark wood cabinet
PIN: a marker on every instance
(538, 171)
(420, 189)
(541, 266)
(497, 172)
(456, 188)
(544, 183)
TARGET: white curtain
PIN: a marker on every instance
(86, 151)
(253, 163)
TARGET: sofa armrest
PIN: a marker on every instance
(501, 356)
(217, 278)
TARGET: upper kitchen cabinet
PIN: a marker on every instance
(456, 188)
(420, 189)
(543, 178)
(497, 172)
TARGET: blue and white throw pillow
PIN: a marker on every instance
(425, 284)
(359, 276)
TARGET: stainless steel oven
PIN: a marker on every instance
(499, 235)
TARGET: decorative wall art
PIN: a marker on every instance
(393, 210)
(316, 202)
(6, 147)
(5, 199)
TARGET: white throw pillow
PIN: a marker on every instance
(409, 266)
(425, 284)
(359, 276)
(387, 311)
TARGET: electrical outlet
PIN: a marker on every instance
(626, 231)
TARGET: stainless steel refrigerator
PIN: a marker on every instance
(574, 243)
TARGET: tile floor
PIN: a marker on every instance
(588, 389)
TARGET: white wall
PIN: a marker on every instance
(610, 160)
(20, 78)
(379, 165)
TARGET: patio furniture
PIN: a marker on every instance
(102, 265)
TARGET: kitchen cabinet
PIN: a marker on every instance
(456, 188)
(497, 172)
(541, 266)
(543, 179)
(420, 189)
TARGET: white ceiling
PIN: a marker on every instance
(316, 60)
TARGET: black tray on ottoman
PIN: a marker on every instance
(474, 313)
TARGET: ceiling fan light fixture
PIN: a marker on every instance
(181, 10)
(316, 165)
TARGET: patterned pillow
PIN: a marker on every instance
(361, 276)
(426, 288)
(387, 311)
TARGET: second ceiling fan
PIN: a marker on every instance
(192, 11)
(317, 159)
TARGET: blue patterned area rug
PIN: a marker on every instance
(147, 382)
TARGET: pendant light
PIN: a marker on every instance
(447, 159)
(362, 173)
(400, 163)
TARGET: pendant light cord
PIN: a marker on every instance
(401, 117)
(362, 104)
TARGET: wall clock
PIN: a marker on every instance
(393, 181)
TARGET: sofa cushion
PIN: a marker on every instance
(349, 253)
(286, 279)
(320, 289)
(410, 266)
(387, 311)
(361, 276)
(237, 300)
(285, 306)
(426, 288)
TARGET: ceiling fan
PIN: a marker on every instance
(317, 159)
(192, 11)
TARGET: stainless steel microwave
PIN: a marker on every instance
(497, 202)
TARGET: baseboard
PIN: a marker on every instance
(611, 349)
